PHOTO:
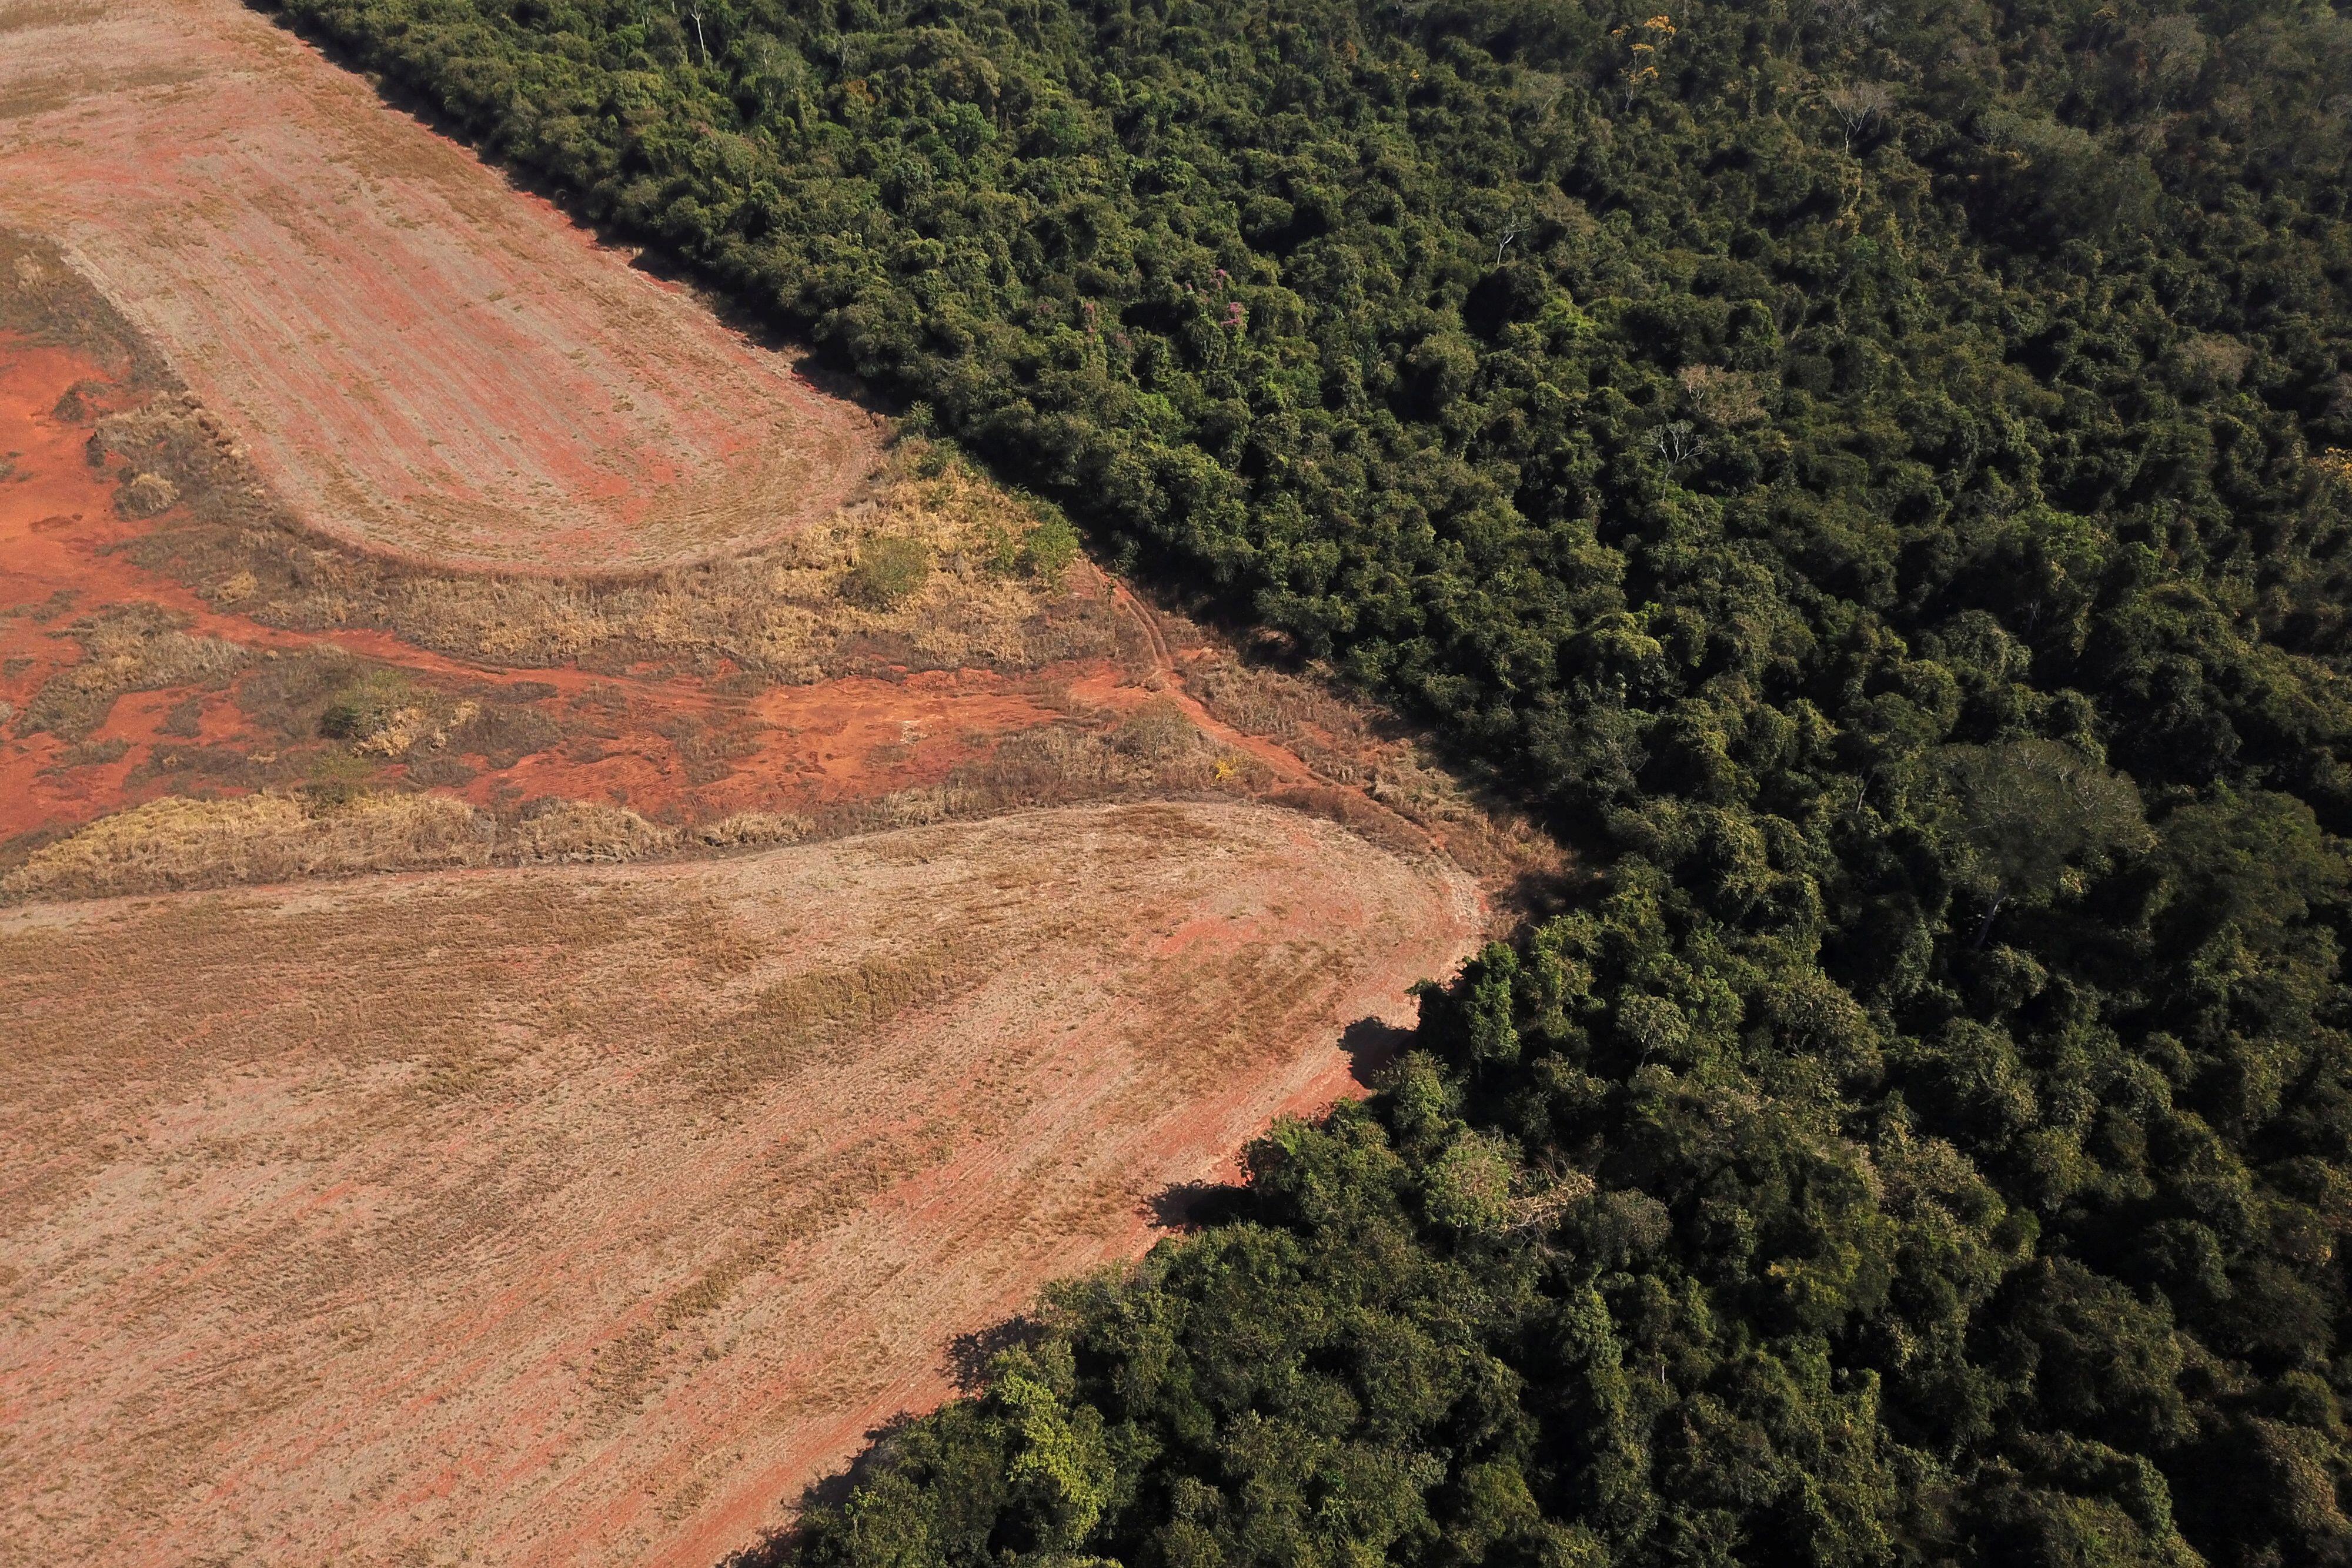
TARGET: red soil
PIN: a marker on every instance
(584, 1215)
(789, 750)
(425, 361)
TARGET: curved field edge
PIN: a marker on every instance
(213, 694)
(586, 1214)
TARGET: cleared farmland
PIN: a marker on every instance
(425, 360)
(580, 1214)
(567, 1213)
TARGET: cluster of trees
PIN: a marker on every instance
(1877, 466)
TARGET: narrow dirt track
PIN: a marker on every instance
(584, 1215)
(1283, 765)
(428, 363)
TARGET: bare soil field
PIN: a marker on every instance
(424, 361)
(584, 1214)
(357, 515)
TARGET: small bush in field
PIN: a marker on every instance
(146, 495)
(366, 707)
(1156, 731)
(1049, 549)
(1043, 551)
(889, 572)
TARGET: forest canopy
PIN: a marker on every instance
(1881, 473)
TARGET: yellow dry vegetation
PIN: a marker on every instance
(794, 613)
(173, 842)
(177, 843)
(583, 830)
(126, 648)
(784, 613)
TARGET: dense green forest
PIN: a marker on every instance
(1876, 470)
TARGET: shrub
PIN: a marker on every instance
(889, 572)
(1049, 549)
(366, 707)
(145, 496)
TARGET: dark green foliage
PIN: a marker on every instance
(1871, 463)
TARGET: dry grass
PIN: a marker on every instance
(800, 610)
(43, 299)
(583, 830)
(1159, 731)
(1059, 765)
(176, 844)
(126, 648)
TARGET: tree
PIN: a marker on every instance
(2025, 810)
(1858, 106)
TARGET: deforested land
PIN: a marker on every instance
(1874, 479)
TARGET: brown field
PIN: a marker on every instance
(360, 516)
(584, 1214)
(424, 361)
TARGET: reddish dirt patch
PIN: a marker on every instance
(425, 360)
(673, 748)
(583, 1215)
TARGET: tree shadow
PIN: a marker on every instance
(1194, 1206)
(969, 1354)
(1372, 1045)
